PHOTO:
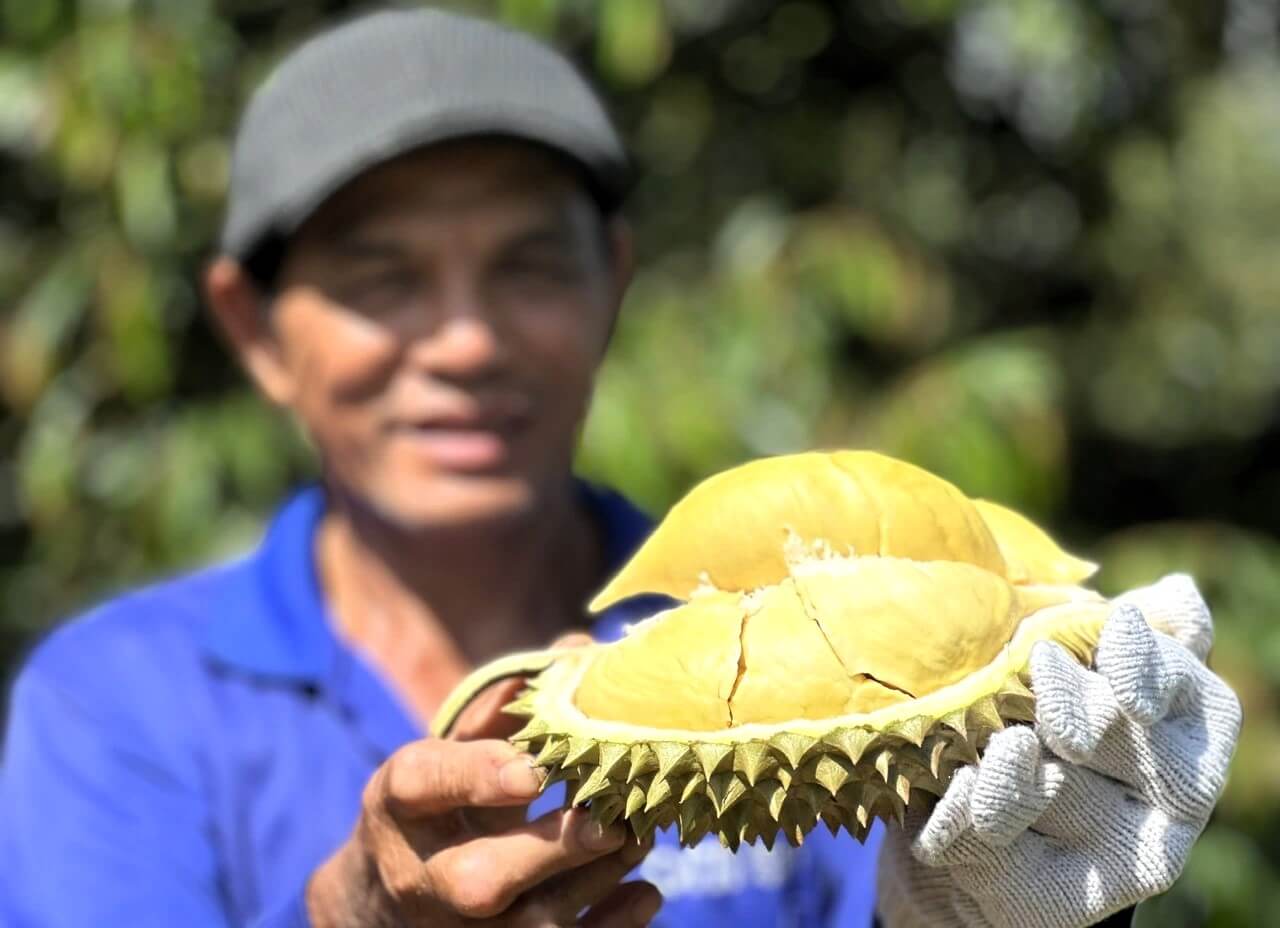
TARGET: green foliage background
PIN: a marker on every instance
(1031, 244)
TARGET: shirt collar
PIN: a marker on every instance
(272, 620)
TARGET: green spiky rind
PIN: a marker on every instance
(766, 790)
(760, 782)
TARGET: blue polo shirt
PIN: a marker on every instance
(187, 754)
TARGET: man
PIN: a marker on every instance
(423, 260)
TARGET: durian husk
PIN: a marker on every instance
(969, 585)
(756, 782)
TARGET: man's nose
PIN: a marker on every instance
(465, 341)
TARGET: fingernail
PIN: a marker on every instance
(519, 777)
(596, 837)
(644, 908)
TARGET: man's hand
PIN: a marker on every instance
(442, 841)
(1097, 808)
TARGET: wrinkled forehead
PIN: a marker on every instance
(498, 185)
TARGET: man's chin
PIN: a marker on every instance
(455, 502)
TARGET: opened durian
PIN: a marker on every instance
(852, 629)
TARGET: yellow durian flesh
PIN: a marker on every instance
(913, 626)
(1030, 555)
(675, 670)
(842, 636)
(787, 669)
(734, 530)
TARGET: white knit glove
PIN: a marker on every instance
(1101, 809)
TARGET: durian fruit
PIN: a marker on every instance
(852, 629)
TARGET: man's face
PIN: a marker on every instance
(438, 327)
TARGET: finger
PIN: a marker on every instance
(1013, 787)
(1174, 606)
(1180, 763)
(484, 718)
(631, 905)
(1074, 706)
(432, 776)
(950, 819)
(1144, 676)
(482, 877)
(561, 900)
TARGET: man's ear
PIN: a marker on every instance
(239, 307)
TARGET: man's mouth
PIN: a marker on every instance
(463, 443)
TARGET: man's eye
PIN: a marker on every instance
(381, 291)
(538, 272)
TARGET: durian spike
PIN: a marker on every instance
(794, 748)
(767, 836)
(605, 811)
(725, 790)
(636, 799)
(755, 761)
(533, 729)
(595, 785)
(833, 772)
(581, 751)
(643, 761)
(659, 794)
(695, 820)
(553, 752)
(713, 757)
(642, 823)
(696, 785)
(852, 741)
(614, 759)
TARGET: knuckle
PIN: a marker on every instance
(410, 772)
(473, 887)
(404, 884)
(375, 790)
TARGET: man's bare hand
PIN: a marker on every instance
(442, 841)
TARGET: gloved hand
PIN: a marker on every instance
(1098, 806)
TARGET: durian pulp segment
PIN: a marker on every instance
(731, 531)
(788, 669)
(1030, 554)
(674, 670)
(913, 626)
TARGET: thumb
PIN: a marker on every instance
(484, 718)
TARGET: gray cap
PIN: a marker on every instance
(386, 83)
